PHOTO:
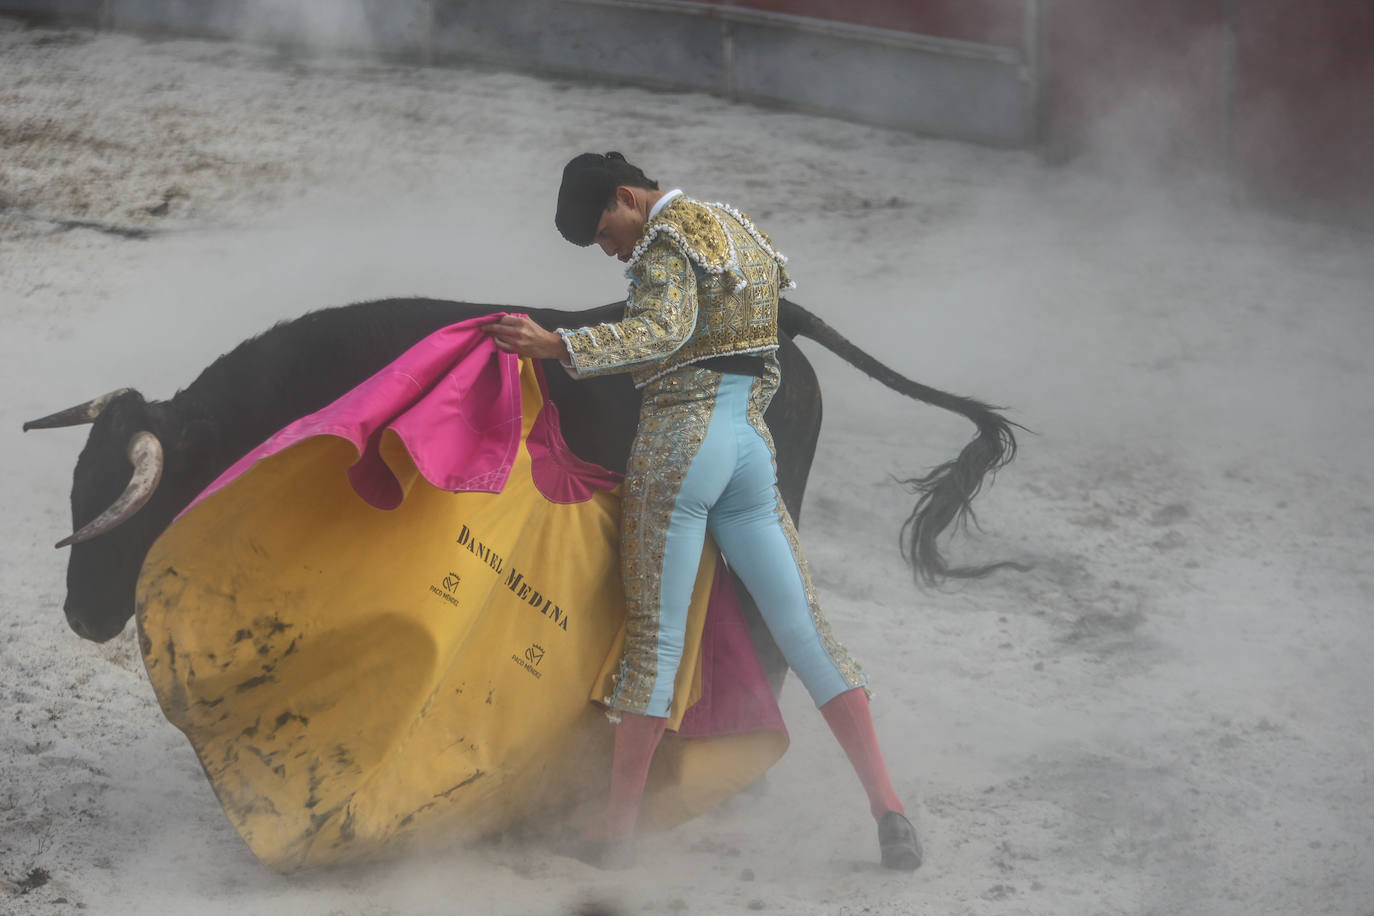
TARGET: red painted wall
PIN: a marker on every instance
(1133, 78)
(987, 21)
(1294, 120)
(1305, 103)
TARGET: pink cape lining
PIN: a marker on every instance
(454, 401)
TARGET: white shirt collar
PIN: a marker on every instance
(664, 201)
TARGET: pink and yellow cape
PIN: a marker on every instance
(391, 621)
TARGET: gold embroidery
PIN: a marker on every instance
(672, 425)
(704, 282)
(661, 315)
(708, 253)
(673, 422)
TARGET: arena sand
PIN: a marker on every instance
(1171, 714)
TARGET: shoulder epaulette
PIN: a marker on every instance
(695, 227)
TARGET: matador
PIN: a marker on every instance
(699, 338)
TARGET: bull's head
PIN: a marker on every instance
(124, 493)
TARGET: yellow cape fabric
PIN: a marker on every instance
(355, 679)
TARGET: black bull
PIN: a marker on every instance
(300, 366)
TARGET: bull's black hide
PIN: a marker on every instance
(300, 366)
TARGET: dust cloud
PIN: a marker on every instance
(1167, 715)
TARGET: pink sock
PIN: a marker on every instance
(636, 738)
(849, 718)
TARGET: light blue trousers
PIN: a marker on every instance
(730, 490)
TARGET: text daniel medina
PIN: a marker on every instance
(515, 581)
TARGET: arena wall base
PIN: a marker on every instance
(937, 86)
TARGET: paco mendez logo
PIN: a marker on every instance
(533, 656)
(450, 585)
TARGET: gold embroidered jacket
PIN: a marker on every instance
(704, 282)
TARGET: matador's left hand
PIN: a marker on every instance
(518, 334)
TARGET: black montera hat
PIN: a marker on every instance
(589, 183)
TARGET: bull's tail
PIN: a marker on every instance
(945, 493)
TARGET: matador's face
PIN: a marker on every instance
(620, 229)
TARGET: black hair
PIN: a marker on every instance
(588, 190)
(626, 173)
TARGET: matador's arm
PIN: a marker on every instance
(661, 315)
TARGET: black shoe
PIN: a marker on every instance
(897, 838)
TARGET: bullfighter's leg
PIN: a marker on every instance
(676, 471)
(756, 534)
(678, 467)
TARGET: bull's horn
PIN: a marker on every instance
(145, 453)
(76, 416)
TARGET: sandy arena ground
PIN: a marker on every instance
(1171, 714)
